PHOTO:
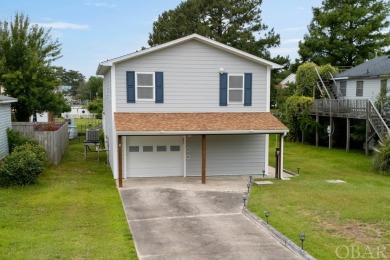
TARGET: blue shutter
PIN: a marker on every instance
(159, 87)
(248, 89)
(223, 89)
(130, 82)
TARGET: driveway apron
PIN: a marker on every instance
(179, 218)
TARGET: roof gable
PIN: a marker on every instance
(103, 66)
(376, 67)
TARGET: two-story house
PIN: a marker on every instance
(189, 107)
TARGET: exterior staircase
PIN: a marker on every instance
(333, 103)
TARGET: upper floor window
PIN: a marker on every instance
(145, 86)
(359, 88)
(236, 89)
(343, 88)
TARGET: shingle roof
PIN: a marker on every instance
(199, 122)
(372, 68)
(5, 99)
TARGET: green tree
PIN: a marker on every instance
(96, 107)
(346, 32)
(26, 53)
(95, 85)
(70, 78)
(306, 77)
(234, 23)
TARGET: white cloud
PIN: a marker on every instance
(294, 40)
(101, 4)
(293, 29)
(60, 25)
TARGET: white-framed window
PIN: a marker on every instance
(145, 84)
(236, 88)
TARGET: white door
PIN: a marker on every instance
(154, 156)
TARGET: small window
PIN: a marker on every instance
(236, 89)
(343, 88)
(133, 149)
(383, 87)
(359, 88)
(145, 86)
(161, 148)
(147, 148)
(175, 148)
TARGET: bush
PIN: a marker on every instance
(101, 139)
(47, 127)
(16, 139)
(23, 166)
(381, 158)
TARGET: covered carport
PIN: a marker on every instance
(204, 125)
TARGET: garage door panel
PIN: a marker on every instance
(155, 158)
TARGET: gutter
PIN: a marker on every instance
(218, 132)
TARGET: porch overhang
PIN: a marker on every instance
(215, 123)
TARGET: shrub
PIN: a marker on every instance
(23, 166)
(46, 127)
(101, 139)
(381, 158)
(16, 139)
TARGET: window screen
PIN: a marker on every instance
(145, 86)
(236, 88)
(343, 88)
(359, 88)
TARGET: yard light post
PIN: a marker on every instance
(245, 198)
(263, 173)
(266, 213)
(248, 186)
(302, 237)
(298, 169)
(250, 179)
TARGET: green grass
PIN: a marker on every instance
(333, 216)
(73, 212)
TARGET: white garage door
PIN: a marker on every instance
(154, 156)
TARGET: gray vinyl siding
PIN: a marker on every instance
(227, 155)
(371, 88)
(107, 116)
(191, 79)
(5, 122)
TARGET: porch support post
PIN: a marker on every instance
(348, 134)
(331, 132)
(203, 159)
(120, 161)
(367, 133)
(281, 151)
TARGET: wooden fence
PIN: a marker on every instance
(55, 142)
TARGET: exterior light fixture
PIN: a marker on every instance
(221, 70)
(250, 179)
(298, 169)
(266, 214)
(248, 186)
(263, 173)
(245, 198)
(302, 237)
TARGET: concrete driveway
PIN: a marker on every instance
(179, 218)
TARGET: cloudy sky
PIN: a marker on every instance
(92, 31)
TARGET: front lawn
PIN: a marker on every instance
(73, 212)
(343, 220)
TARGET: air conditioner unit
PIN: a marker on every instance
(92, 135)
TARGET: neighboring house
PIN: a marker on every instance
(366, 80)
(287, 81)
(5, 123)
(189, 107)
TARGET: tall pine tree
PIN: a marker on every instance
(235, 23)
(346, 32)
